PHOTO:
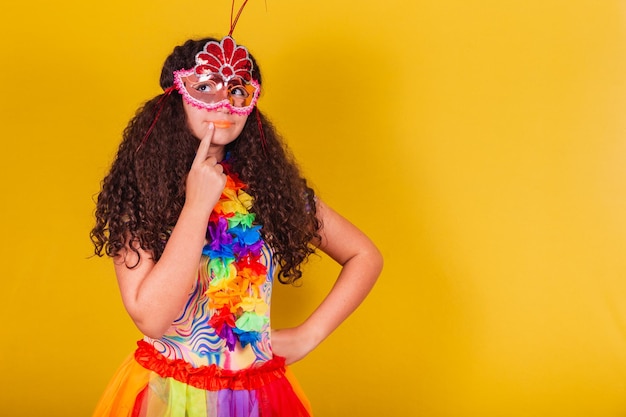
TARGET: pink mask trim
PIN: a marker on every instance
(243, 111)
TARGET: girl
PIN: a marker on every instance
(202, 208)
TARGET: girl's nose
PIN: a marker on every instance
(224, 109)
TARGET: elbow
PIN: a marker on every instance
(372, 261)
(381, 261)
(151, 329)
(153, 335)
(375, 257)
(149, 324)
(377, 261)
(151, 317)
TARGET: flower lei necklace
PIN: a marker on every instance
(235, 269)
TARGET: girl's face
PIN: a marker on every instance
(228, 126)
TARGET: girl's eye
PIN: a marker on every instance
(239, 92)
(206, 87)
(237, 88)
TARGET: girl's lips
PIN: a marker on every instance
(222, 124)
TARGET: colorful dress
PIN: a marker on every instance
(216, 358)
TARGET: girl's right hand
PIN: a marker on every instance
(155, 292)
(206, 178)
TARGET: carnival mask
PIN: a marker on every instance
(222, 77)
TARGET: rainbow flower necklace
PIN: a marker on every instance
(235, 271)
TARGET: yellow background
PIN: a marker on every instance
(481, 144)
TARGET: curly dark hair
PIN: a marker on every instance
(144, 192)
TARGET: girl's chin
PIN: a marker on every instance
(219, 141)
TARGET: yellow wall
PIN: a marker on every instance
(482, 144)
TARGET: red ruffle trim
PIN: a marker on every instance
(212, 377)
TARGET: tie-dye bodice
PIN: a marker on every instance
(226, 318)
(191, 337)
